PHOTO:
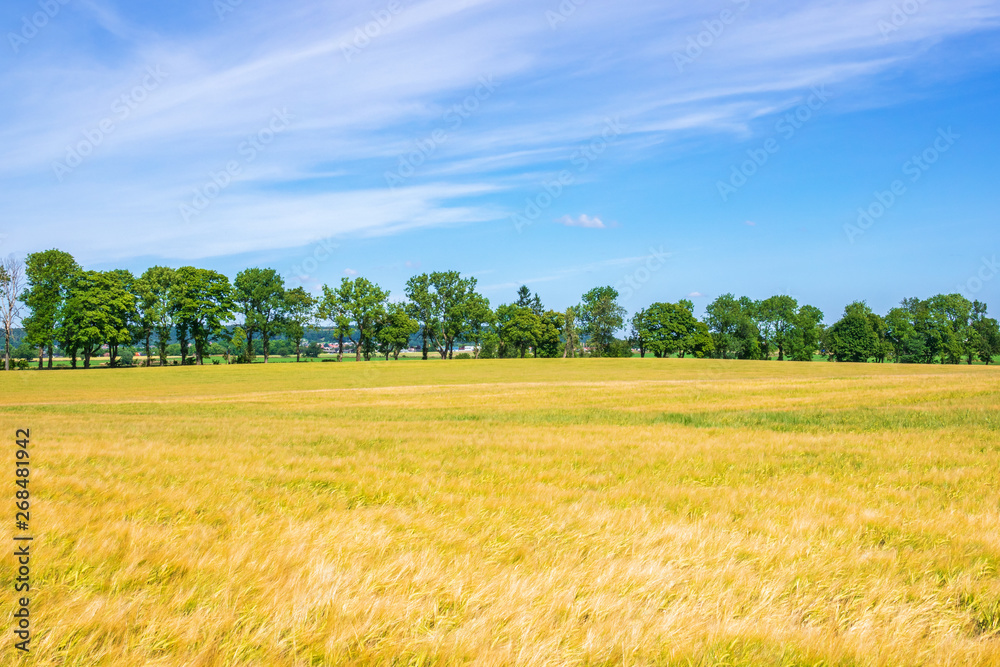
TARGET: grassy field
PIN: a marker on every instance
(545, 512)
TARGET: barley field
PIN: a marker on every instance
(537, 512)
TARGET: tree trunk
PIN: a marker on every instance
(86, 359)
(149, 335)
(357, 347)
(298, 345)
(425, 344)
(41, 356)
(267, 345)
(340, 348)
(50, 355)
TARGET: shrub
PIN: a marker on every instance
(619, 348)
(463, 355)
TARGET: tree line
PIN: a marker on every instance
(80, 313)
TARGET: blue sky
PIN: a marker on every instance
(665, 148)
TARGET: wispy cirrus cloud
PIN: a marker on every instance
(354, 118)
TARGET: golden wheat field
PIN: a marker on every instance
(537, 512)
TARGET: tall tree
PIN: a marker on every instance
(479, 318)
(365, 303)
(157, 307)
(11, 285)
(638, 332)
(260, 295)
(451, 294)
(777, 317)
(333, 307)
(987, 338)
(600, 317)
(570, 334)
(202, 302)
(422, 308)
(734, 328)
(49, 274)
(807, 329)
(298, 312)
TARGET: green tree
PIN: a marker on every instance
(158, 306)
(570, 334)
(451, 297)
(803, 339)
(365, 304)
(422, 308)
(638, 332)
(98, 310)
(260, 296)
(479, 319)
(952, 314)
(600, 317)
(518, 329)
(777, 318)
(238, 345)
(853, 338)
(202, 301)
(298, 312)
(664, 326)
(394, 330)
(49, 274)
(548, 342)
(333, 308)
(733, 327)
(987, 338)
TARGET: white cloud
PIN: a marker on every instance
(350, 272)
(696, 295)
(584, 221)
